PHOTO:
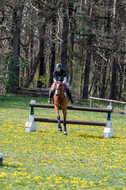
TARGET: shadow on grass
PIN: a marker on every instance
(44, 131)
(49, 132)
(53, 133)
(93, 136)
(79, 135)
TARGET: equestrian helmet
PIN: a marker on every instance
(58, 65)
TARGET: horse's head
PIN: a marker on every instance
(58, 88)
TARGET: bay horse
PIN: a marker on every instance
(60, 103)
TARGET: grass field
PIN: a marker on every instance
(48, 160)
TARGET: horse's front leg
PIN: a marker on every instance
(59, 124)
(64, 121)
(58, 117)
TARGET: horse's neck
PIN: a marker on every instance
(62, 94)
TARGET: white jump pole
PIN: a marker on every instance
(30, 125)
(108, 130)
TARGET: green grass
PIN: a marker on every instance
(46, 159)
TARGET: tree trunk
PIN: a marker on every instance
(14, 65)
(65, 35)
(21, 76)
(113, 82)
(103, 88)
(71, 7)
(120, 81)
(89, 51)
(31, 48)
(52, 64)
(125, 78)
(87, 68)
(107, 31)
(42, 68)
(115, 45)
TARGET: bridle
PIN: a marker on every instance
(58, 91)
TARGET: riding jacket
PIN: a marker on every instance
(59, 76)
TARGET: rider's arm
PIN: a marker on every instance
(54, 79)
(64, 79)
(54, 76)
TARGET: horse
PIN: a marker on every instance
(60, 101)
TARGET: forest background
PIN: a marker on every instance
(87, 36)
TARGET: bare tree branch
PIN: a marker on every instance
(5, 38)
(101, 56)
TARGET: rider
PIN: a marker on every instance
(59, 75)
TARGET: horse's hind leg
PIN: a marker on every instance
(59, 125)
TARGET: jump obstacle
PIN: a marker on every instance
(1, 158)
(31, 125)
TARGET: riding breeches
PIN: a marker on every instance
(52, 90)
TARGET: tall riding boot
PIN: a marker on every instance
(51, 95)
(70, 96)
(72, 101)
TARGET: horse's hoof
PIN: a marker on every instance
(60, 129)
(65, 133)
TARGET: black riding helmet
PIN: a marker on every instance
(58, 65)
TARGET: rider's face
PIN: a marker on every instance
(58, 69)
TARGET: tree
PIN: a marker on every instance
(53, 49)
(71, 41)
(89, 50)
(65, 34)
(115, 49)
(15, 32)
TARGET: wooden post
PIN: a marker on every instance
(91, 103)
(112, 104)
(108, 130)
(31, 125)
(125, 111)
